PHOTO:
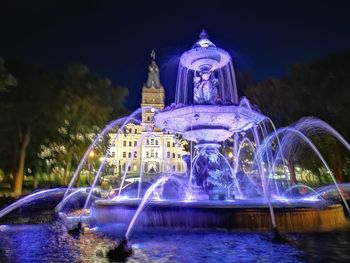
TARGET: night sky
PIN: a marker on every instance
(115, 38)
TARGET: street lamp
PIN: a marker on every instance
(91, 154)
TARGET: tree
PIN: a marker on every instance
(88, 102)
(7, 80)
(25, 116)
(320, 89)
(48, 118)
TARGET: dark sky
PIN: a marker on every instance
(114, 38)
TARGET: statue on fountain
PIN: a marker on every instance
(205, 88)
(211, 174)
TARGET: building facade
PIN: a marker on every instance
(143, 148)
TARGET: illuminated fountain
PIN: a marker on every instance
(236, 175)
(218, 190)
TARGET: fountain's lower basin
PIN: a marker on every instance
(252, 215)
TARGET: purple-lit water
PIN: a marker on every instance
(51, 243)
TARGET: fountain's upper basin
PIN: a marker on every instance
(212, 57)
(208, 123)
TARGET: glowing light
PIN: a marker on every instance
(281, 199)
(230, 155)
(312, 198)
(205, 43)
(3, 227)
(153, 109)
(91, 154)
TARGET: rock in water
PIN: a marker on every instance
(277, 238)
(121, 252)
(75, 232)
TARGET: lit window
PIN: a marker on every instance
(124, 154)
(112, 154)
(152, 142)
(156, 154)
(152, 153)
(124, 143)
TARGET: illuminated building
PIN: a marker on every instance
(143, 148)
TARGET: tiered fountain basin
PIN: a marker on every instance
(237, 214)
(208, 122)
(211, 57)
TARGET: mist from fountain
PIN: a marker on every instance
(303, 186)
(69, 197)
(31, 198)
(139, 141)
(141, 206)
(291, 142)
(243, 142)
(130, 118)
(99, 136)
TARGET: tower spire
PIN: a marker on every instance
(153, 73)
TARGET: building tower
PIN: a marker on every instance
(152, 94)
(145, 149)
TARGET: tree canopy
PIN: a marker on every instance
(320, 89)
(48, 110)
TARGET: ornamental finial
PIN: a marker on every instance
(203, 34)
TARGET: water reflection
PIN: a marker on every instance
(51, 243)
